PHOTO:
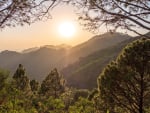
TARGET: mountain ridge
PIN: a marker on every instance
(84, 72)
(39, 62)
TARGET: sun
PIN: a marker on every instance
(66, 29)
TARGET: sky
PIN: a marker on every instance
(45, 32)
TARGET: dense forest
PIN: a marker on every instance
(122, 87)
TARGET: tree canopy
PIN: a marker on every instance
(124, 84)
(20, 12)
(21, 80)
(53, 84)
(124, 14)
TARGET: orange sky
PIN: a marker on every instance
(43, 32)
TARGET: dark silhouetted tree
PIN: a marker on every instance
(20, 12)
(124, 85)
(125, 14)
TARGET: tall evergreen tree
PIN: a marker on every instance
(21, 80)
(124, 85)
(53, 85)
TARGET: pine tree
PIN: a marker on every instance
(124, 84)
(21, 80)
(53, 85)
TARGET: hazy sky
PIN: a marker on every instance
(44, 32)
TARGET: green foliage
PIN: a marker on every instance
(16, 98)
(34, 85)
(3, 78)
(3, 86)
(53, 85)
(83, 105)
(72, 95)
(83, 73)
(48, 105)
(21, 81)
(92, 94)
(124, 84)
(68, 97)
(20, 72)
(80, 93)
(55, 105)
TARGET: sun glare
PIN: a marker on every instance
(66, 29)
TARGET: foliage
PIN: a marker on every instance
(84, 72)
(72, 95)
(80, 93)
(3, 85)
(16, 12)
(68, 97)
(83, 105)
(48, 105)
(55, 105)
(125, 14)
(53, 85)
(20, 79)
(34, 85)
(124, 85)
(3, 78)
(15, 98)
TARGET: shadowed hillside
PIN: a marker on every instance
(96, 43)
(38, 61)
(84, 72)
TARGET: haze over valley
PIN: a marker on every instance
(80, 64)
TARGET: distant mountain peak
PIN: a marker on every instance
(8, 52)
(64, 46)
(61, 46)
(111, 35)
(38, 61)
(30, 50)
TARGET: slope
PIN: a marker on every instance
(84, 72)
(39, 61)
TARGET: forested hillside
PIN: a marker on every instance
(84, 72)
(121, 86)
(39, 60)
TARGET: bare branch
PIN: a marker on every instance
(135, 5)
